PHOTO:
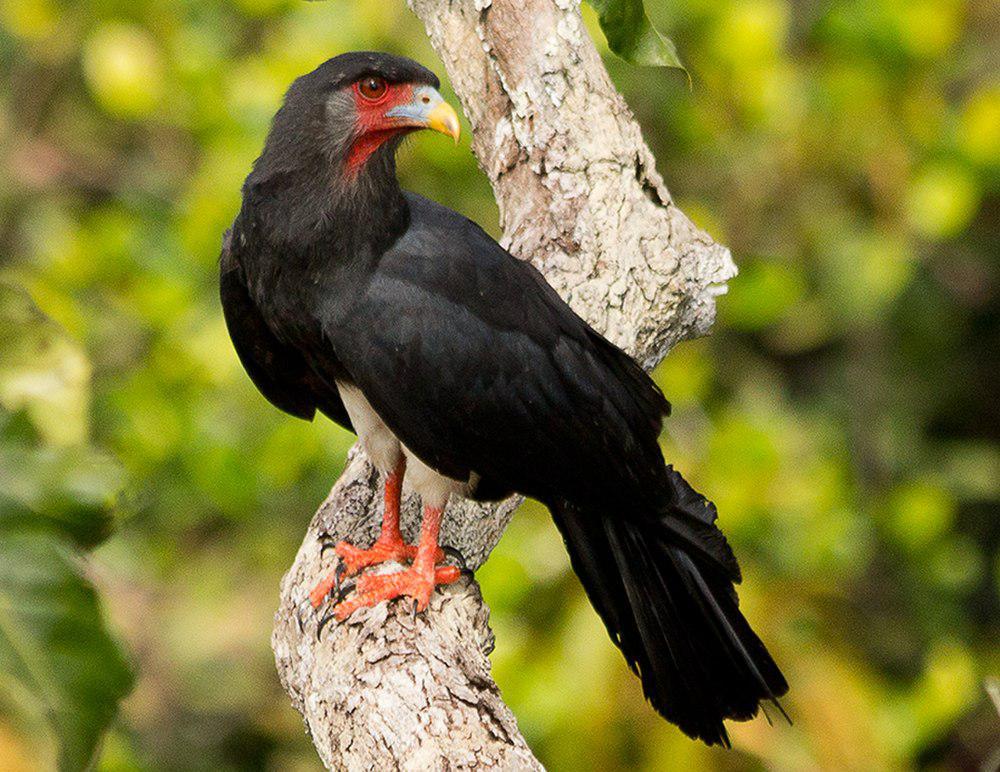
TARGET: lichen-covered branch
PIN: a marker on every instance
(579, 196)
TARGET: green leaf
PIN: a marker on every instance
(68, 491)
(57, 660)
(632, 36)
(61, 673)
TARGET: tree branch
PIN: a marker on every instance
(579, 196)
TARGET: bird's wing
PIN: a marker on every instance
(477, 365)
(278, 371)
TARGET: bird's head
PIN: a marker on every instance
(349, 114)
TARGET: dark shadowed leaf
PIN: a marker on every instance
(57, 661)
(66, 490)
(632, 36)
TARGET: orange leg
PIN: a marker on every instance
(417, 582)
(388, 546)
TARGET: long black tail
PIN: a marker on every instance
(663, 584)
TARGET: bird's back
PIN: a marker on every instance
(479, 366)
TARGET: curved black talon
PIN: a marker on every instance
(328, 544)
(338, 575)
(338, 593)
(413, 611)
(341, 591)
(322, 623)
(458, 557)
(298, 616)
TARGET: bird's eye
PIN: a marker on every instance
(372, 87)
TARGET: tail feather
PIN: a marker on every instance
(663, 585)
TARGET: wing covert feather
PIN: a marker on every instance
(278, 371)
(478, 366)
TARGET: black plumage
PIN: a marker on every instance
(479, 368)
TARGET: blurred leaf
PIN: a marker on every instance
(632, 36)
(956, 564)
(124, 70)
(45, 375)
(979, 132)
(41, 370)
(750, 36)
(685, 374)
(929, 27)
(30, 18)
(762, 294)
(67, 492)
(920, 514)
(61, 674)
(55, 653)
(949, 684)
(941, 200)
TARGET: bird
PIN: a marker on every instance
(459, 367)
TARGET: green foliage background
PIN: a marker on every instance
(843, 415)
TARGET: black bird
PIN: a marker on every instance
(458, 364)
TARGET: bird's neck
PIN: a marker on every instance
(367, 206)
(340, 211)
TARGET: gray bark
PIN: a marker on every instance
(579, 196)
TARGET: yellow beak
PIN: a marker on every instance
(427, 110)
(443, 118)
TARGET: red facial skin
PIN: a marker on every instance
(374, 128)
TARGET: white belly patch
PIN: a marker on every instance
(385, 451)
(379, 443)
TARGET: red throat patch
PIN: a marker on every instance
(374, 129)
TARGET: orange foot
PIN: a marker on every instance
(353, 559)
(372, 589)
(397, 551)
